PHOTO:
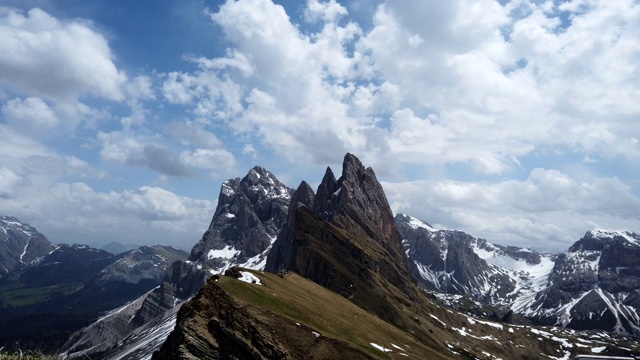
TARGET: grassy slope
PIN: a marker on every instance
(330, 314)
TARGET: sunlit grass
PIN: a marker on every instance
(330, 314)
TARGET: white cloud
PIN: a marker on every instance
(121, 148)
(140, 87)
(329, 11)
(213, 97)
(153, 203)
(208, 158)
(40, 55)
(191, 133)
(420, 89)
(549, 208)
(31, 115)
(8, 180)
(151, 151)
(73, 212)
(35, 187)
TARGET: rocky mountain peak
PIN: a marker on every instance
(249, 215)
(357, 197)
(344, 238)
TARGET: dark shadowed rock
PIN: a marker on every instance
(282, 254)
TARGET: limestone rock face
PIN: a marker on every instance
(592, 285)
(147, 262)
(448, 261)
(282, 254)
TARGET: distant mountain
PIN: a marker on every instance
(20, 245)
(593, 285)
(71, 286)
(250, 213)
(116, 248)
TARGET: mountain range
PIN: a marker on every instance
(595, 284)
(53, 290)
(410, 289)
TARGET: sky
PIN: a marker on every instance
(515, 120)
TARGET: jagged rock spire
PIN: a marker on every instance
(282, 254)
(344, 238)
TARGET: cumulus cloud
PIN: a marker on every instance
(136, 150)
(463, 82)
(473, 89)
(40, 55)
(208, 158)
(31, 115)
(74, 212)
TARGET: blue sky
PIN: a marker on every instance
(516, 121)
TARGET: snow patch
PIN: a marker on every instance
(627, 235)
(381, 348)
(227, 253)
(419, 224)
(24, 252)
(249, 278)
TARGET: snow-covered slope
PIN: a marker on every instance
(454, 262)
(593, 285)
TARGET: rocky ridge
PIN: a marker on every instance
(593, 285)
(344, 238)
